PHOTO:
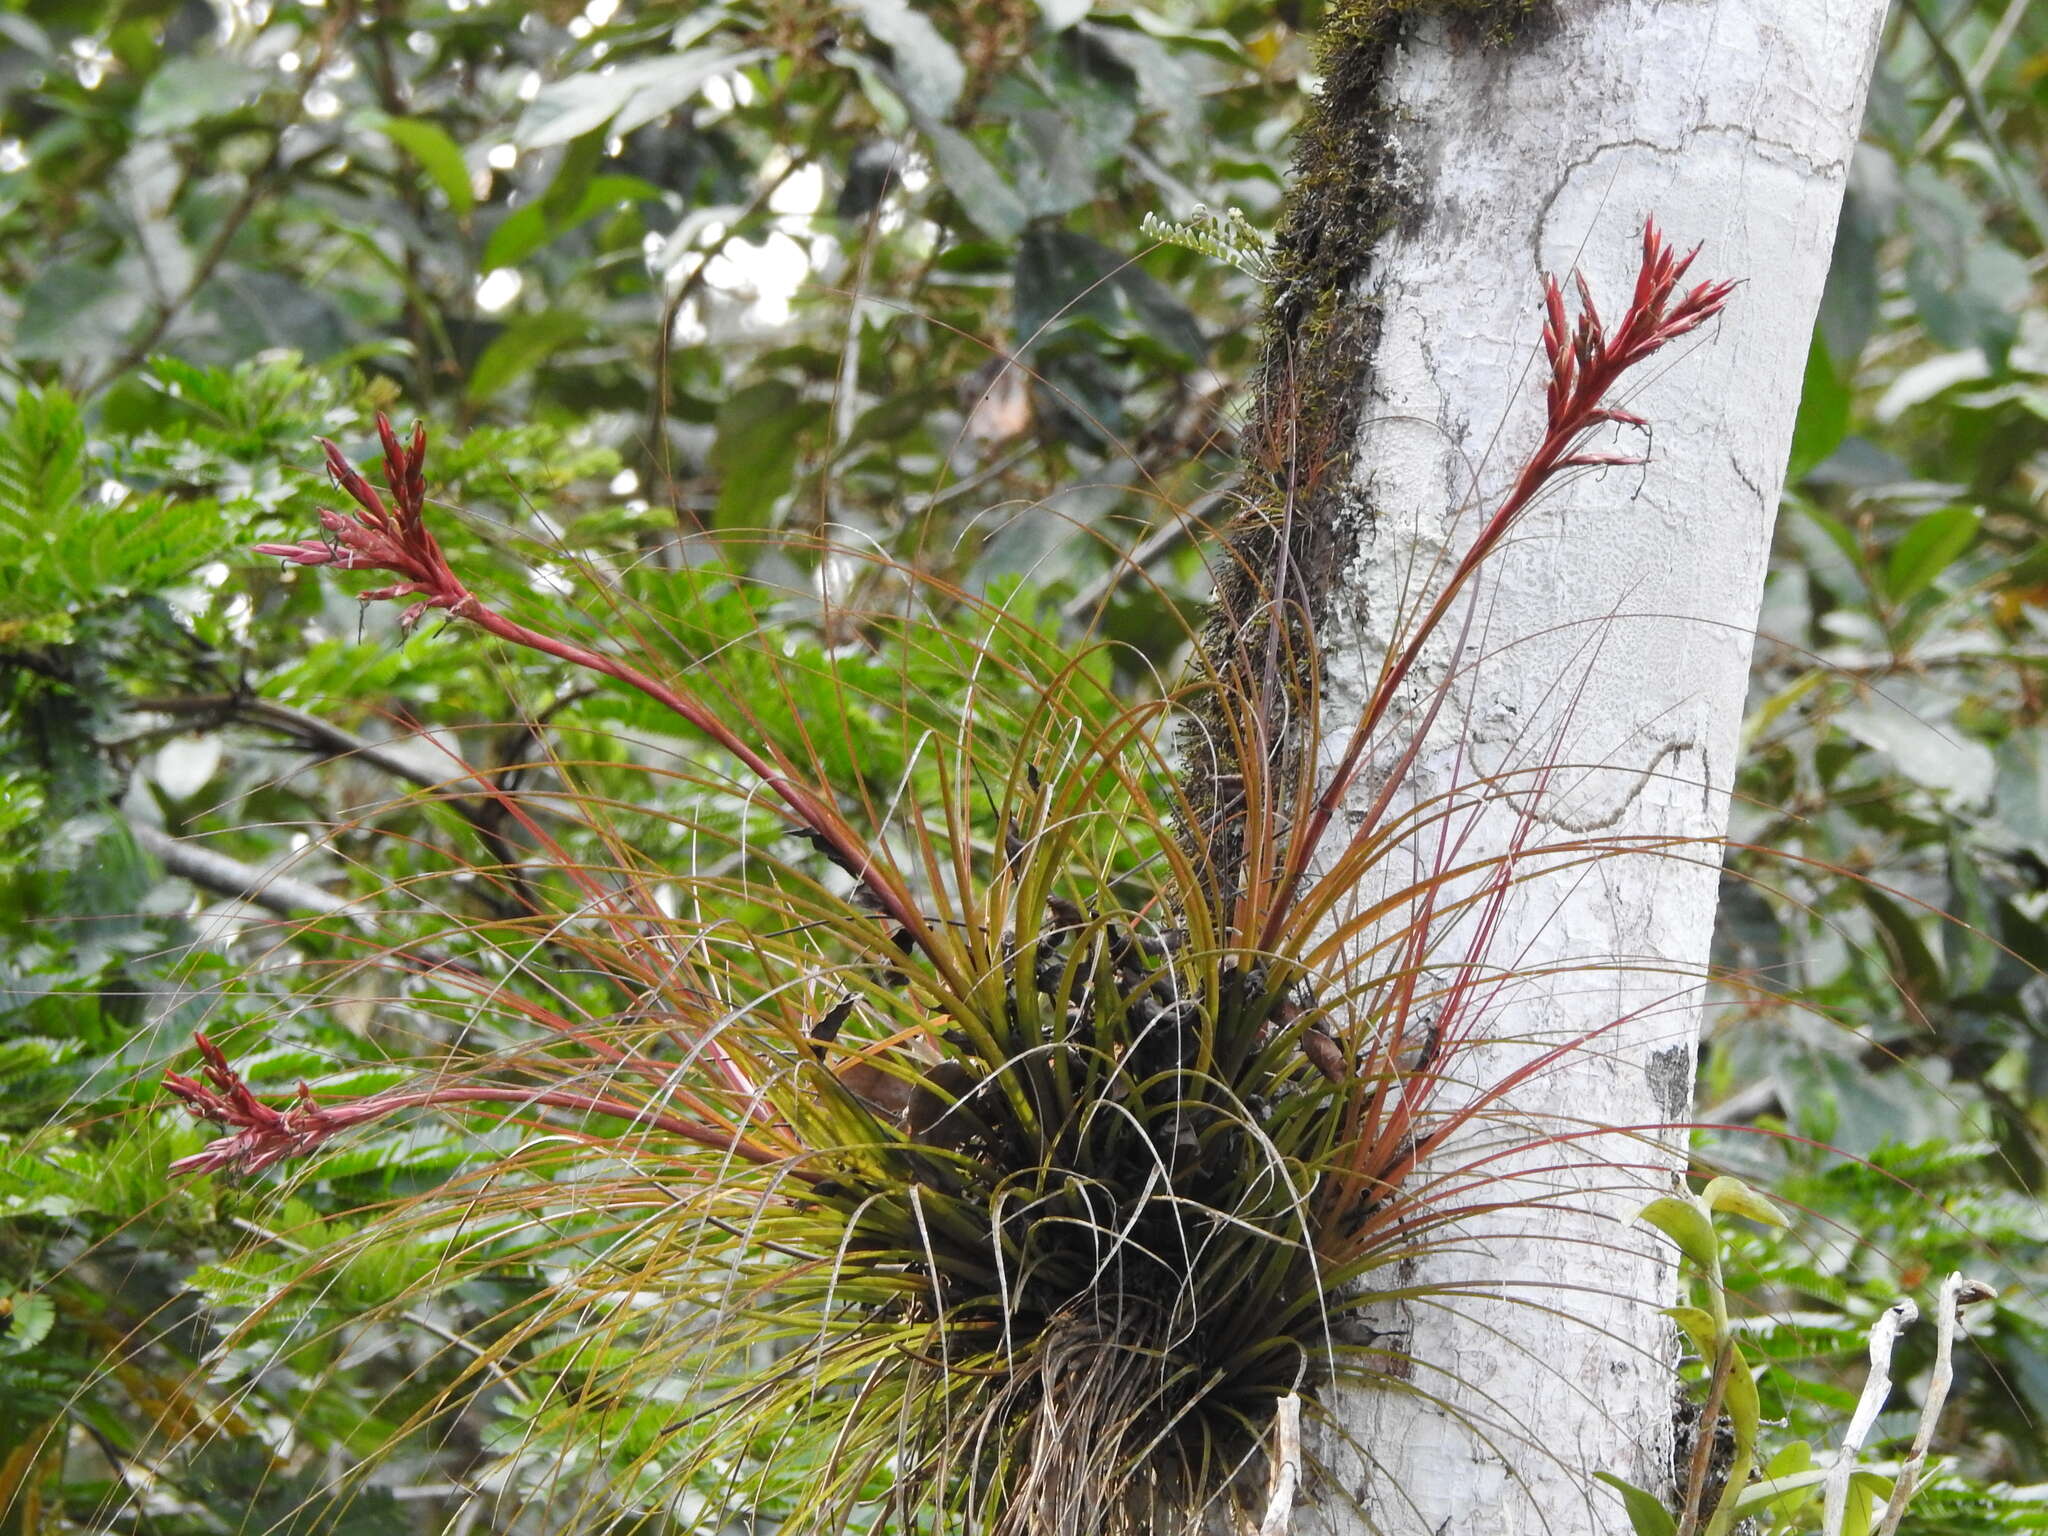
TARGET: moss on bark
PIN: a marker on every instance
(1304, 507)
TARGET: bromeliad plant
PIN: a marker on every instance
(990, 1151)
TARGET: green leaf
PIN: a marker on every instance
(1745, 1411)
(42, 460)
(1685, 1224)
(1734, 1196)
(75, 309)
(520, 348)
(1790, 1482)
(1912, 723)
(1930, 546)
(1785, 1493)
(1912, 962)
(30, 1318)
(1823, 419)
(755, 451)
(190, 89)
(1646, 1512)
(563, 200)
(1848, 306)
(1869, 1492)
(528, 228)
(436, 154)
(1064, 276)
(990, 203)
(1973, 300)
(625, 96)
(1698, 1325)
(928, 72)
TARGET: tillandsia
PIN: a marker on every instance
(980, 1150)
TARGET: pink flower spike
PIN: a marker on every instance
(386, 537)
(260, 1135)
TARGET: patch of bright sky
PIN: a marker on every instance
(771, 272)
(497, 288)
(724, 92)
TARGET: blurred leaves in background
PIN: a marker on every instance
(700, 293)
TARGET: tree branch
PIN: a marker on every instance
(269, 888)
(313, 733)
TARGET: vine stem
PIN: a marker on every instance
(1703, 1441)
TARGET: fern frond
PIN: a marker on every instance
(1226, 236)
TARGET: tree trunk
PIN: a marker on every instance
(1615, 631)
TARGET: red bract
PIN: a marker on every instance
(382, 538)
(262, 1135)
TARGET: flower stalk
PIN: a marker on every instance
(1587, 362)
(261, 1135)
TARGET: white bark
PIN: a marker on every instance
(1731, 122)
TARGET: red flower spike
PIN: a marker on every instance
(396, 541)
(260, 1135)
(1587, 362)
(381, 538)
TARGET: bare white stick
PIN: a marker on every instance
(1286, 1466)
(1884, 1333)
(1956, 1294)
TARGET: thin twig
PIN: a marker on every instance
(1083, 604)
(672, 306)
(313, 733)
(120, 1460)
(1956, 1294)
(482, 802)
(1980, 71)
(664, 339)
(1884, 1333)
(2026, 202)
(1286, 1466)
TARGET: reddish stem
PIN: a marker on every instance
(263, 1135)
(1586, 362)
(395, 539)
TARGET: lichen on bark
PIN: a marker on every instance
(1303, 502)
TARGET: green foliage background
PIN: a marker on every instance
(683, 290)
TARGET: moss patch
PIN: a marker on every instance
(1303, 512)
